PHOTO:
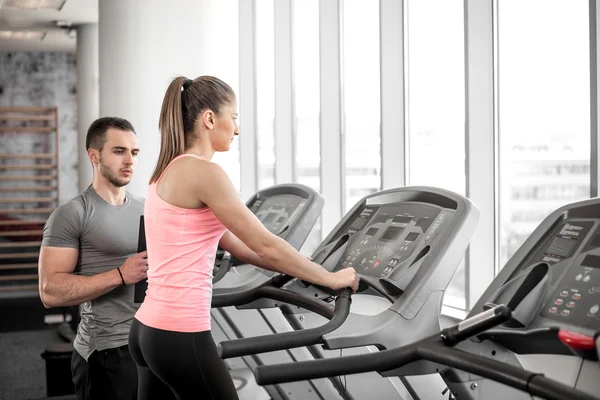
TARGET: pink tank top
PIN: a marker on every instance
(181, 244)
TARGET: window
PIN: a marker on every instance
(544, 113)
(265, 91)
(436, 105)
(306, 101)
(361, 99)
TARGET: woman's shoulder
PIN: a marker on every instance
(198, 168)
(197, 174)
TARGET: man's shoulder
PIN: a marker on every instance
(135, 199)
(76, 205)
(70, 214)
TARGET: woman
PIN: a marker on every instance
(191, 208)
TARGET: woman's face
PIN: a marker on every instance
(225, 127)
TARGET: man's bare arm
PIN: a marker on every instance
(59, 287)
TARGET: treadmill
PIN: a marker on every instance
(289, 211)
(405, 244)
(552, 286)
(534, 331)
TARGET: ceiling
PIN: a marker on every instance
(77, 12)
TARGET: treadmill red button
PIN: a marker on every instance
(576, 341)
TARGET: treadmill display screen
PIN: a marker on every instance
(596, 241)
(269, 218)
(391, 234)
(591, 261)
(561, 243)
(384, 236)
(402, 219)
(411, 237)
(371, 231)
(277, 212)
(562, 247)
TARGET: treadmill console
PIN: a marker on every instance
(551, 283)
(385, 236)
(289, 211)
(278, 211)
(396, 241)
(574, 258)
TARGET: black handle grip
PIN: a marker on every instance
(270, 292)
(280, 280)
(235, 298)
(288, 340)
(476, 324)
(223, 267)
(139, 292)
(335, 366)
(248, 296)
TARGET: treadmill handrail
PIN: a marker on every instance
(249, 295)
(288, 340)
(433, 348)
(224, 267)
(271, 290)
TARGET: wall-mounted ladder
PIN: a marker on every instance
(28, 191)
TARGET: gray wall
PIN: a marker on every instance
(43, 79)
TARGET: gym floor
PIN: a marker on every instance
(23, 338)
(22, 369)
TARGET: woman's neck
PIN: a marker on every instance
(205, 152)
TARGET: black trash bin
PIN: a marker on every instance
(58, 369)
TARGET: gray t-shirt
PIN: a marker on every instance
(105, 235)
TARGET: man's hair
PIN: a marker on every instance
(96, 135)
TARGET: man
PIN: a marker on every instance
(88, 257)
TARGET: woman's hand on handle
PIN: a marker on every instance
(344, 278)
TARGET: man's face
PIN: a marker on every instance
(118, 156)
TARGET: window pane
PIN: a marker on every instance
(361, 99)
(544, 112)
(265, 91)
(307, 106)
(225, 65)
(436, 105)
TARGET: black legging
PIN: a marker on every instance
(178, 365)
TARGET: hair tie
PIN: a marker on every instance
(187, 83)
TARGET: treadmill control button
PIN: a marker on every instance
(553, 310)
(576, 341)
(571, 304)
(586, 278)
(576, 296)
(578, 277)
(566, 313)
(564, 293)
(558, 302)
(594, 309)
